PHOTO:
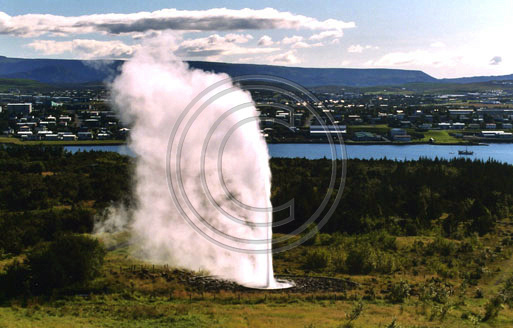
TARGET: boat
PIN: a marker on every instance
(465, 152)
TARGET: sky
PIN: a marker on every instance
(442, 38)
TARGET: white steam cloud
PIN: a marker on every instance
(152, 93)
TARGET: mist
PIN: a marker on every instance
(186, 144)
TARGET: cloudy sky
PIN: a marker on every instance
(443, 38)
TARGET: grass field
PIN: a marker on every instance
(131, 293)
(441, 137)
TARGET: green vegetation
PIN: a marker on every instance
(23, 85)
(440, 137)
(425, 243)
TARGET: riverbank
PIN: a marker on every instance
(16, 141)
(466, 142)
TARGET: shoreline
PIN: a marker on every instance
(15, 141)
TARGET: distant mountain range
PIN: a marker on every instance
(61, 71)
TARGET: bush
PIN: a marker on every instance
(399, 292)
(364, 259)
(317, 259)
(493, 307)
(71, 260)
(14, 281)
(441, 246)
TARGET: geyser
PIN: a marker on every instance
(202, 177)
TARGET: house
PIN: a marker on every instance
(69, 137)
(366, 136)
(103, 136)
(325, 129)
(444, 125)
(399, 135)
(21, 134)
(85, 136)
(497, 134)
(474, 126)
(490, 126)
(402, 138)
(460, 113)
(396, 132)
(507, 126)
(405, 124)
(52, 137)
(19, 108)
(458, 125)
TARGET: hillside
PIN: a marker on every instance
(58, 71)
(67, 71)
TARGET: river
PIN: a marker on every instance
(500, 152)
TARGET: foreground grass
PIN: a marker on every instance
(131, 293)
(254, 311)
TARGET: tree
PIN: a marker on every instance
(71, 260)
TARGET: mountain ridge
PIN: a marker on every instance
(72, 71)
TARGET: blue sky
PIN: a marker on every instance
(442, 38)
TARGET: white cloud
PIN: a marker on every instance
(286, 58)
(292, 39)
(217, 19)
(437, 44)
(327, 34)
(299, 45)
(84, 48)
(356, 48)
(265, 41)
(417, 59)
(216, 45)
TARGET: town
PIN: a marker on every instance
(359, 116)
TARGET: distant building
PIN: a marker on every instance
(399, 135)
(85, 136)
(458, 113)
(103, 136)
(507, 126)
(402, 138)
(325, 129)
(366, 136)
(69, 137)
(397, 132)
(490, 126)
(19, 108)
(497, 134)
(496, 113)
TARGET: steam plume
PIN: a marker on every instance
(152, 94)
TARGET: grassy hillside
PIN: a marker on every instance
(421, 88)
(23, 85)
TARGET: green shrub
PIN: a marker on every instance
(364, 259)
(71, 260)
(399, 292)
(316, 259)
(492, 308)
